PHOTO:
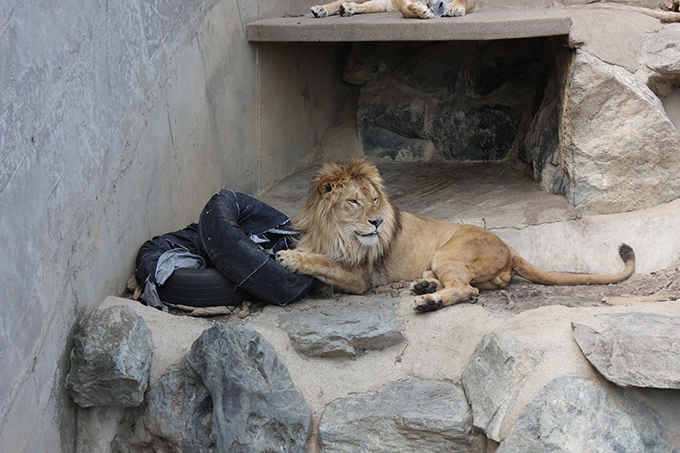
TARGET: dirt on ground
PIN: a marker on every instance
(521, 295)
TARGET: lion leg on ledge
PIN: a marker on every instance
(450, 295)
(455, 278)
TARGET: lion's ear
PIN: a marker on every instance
(326, 184)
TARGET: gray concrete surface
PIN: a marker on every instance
(118, 121)
(483, 25)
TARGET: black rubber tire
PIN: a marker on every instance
(201, 288)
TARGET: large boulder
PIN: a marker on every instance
(111, 359)
(231, 392)
(407, 415)
(573, 415)
(497, 373)
(619, 148)
(633, 349)
(343, 331)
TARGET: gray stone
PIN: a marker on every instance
(483, 134)
(661, 51)
(231, 392)
(111, 359)
(407, 415)
(620, 150)
(542, 145)
(574, 415)
(497, 373)
(636, 349)
(458, 101)
(343, 331)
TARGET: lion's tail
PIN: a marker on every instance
(527, 270)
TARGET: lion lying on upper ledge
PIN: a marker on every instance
(424, 9)
(353, 238)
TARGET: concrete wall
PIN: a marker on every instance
(118, 121)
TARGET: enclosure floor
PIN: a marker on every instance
(492, 195)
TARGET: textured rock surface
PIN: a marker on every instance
(638, 349)
(661, 52)
(111, 358)
(620, 150)
(499, 368)
(542, 145)
(574, 415)
(231, 392)
(457, 101)
(407, 415)
(343, 331)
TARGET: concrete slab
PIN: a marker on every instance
(482, 25)
(488, 194)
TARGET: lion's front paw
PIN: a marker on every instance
(290, 259)
(319, 11)
(426, 13)
(453, 10)
(423, 304)
(347, 9)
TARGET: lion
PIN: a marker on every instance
(424, 9)
(354, 239)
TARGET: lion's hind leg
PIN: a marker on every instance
(495, 283)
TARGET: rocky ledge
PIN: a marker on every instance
(365, 373)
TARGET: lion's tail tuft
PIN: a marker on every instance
(626, 252)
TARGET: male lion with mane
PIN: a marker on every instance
(408, 8)
(354, 238)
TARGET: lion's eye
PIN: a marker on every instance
(354, 202)
(375, 200)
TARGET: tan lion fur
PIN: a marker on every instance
(408, 8)
(354, 239)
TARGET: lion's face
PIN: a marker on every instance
(347, 215)
(358, 213)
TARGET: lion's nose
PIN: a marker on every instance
(376, 222)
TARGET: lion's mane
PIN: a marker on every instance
(318, 221)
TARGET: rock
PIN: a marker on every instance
(368, 59)
(111, 359)
(661, 51)
(573, 415)
(619, 148)
(498, 371)
(474, 104)
(231, 392)
(542, 145)
(406, 415)
(633, 349)
(390, 120)
(487, 133)
(342, 331)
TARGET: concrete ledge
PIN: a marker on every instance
(482, 25)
